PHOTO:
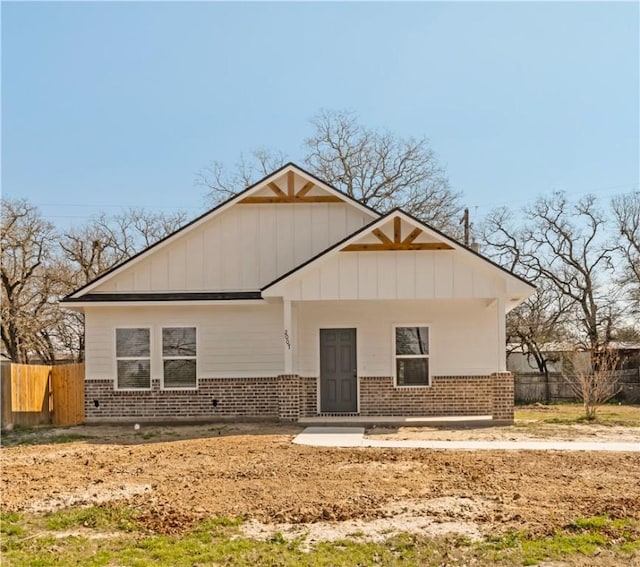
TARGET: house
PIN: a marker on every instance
(293, 300)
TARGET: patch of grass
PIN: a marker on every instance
(218, 541)
(221, 522)
(9, 524)
(582, 537)
(101, 518)
(21, 435)
(591, 523)
(561, 545)
(572, 414)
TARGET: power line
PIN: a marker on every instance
(625, 187)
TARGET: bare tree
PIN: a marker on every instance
(108, 240)
(222, 183)
(563, 244)
(626, 212)
(375, 167)
(29, 313)
(592, 378)
(538, 323)
(102, 243)
(382, 170)
(36, 273)
(147, 227)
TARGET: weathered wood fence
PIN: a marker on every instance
(40, 394)
(532, 387)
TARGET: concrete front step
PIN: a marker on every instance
(399, 421)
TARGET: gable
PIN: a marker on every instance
(245, 243)
(290, 188)
(394, 235)
(397, 257)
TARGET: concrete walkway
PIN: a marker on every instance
(354, 437)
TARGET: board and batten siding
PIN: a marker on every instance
(420, 274)
(233, 341)
(243, 248)
(463, 334)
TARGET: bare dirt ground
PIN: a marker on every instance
(519, 432)
(177, 475)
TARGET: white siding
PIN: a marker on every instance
(439, 274)
(243, 248)
(463, 339)
(245, 340)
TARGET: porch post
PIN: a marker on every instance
(288, 338)
(503, 397)
(502, 335)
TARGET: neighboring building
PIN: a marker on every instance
(519, 362)
(293, 300)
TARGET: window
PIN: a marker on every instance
(133, 358)
(179, 357)
(412, 356)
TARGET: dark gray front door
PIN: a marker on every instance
(338, 371)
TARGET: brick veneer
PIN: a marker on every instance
(288, 386)
(503, 396)
(448, 395)
(236, 397)
(308, 396)
(288, 397)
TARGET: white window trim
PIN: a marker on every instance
(117, 358)
(394, 356)
(163, 358)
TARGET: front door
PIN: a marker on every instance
(338, 371)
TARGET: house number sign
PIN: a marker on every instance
(286, 339)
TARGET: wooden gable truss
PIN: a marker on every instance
(398, 243)
(290, 195)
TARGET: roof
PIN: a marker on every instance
(81, 294)
(170, 296)
(209, 214)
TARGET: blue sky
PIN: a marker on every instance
(108, 105)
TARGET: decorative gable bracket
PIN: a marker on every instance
(290, 196)
(398, 243)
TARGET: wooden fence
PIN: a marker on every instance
(532, 387)
(41, 395)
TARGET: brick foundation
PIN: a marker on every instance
(289, 397)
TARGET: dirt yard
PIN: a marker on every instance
(177, 475)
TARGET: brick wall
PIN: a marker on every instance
(288, 387)
(236, 397)
(289, 397)
(503, 396)
(308, 396)
(448, 395)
